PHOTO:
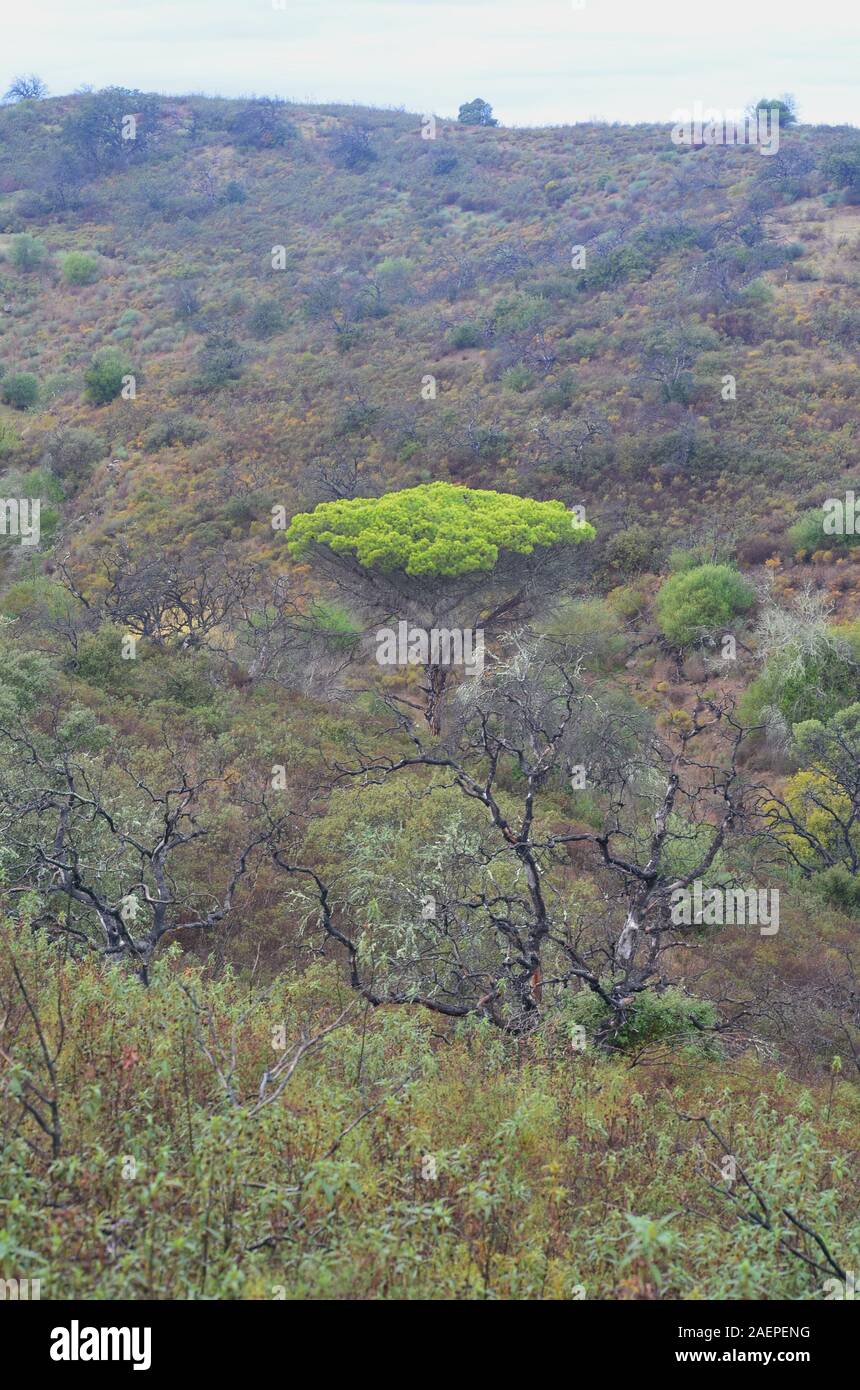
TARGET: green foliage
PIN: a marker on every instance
(437, 529)
(681, 560)
(518, 378)
(804, 685)
(839, 888)
(27, 252)
(517, 313)
(222, 360)
(671, 1016)
(590, 628)
(612, 268)
(842, 167)
(266, 319)
(262, 125)
(71, 453)
(172, 428)
(104, 376)
(515, 1139)
(466, 335)
(331, 621)
(9, 439)
(25, 678)
(819, 529)
(476, 112)
(98, 130)
(20, 390)
(785, 106)
(632, 551)
(702, 602)
(79, 269)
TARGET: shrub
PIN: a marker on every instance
(812, 684)
(590, 628)
(71, 453)
(681, 560)
(79, 269)
(785, 106)
(701, 602)
(517, 378)
(97, 130)
(266, 319)
(262, 125)
(222, 359)
(476, 112)
(632, 551)
(8, 439)
(172, 428)
(672, 1016)
(352, 149)
(466, 335)
(26, 252)
(842, 167)
(560, 395)
(443, 164)
(20, 390)
(839, 888)
(104, 377)
(808, 534)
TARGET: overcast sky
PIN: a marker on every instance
(536, 61)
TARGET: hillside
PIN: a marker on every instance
(251, 308)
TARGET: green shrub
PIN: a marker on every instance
(632, 551)
(79, 269)
(266, 319)
(172, 428)
(8, 440)
(221, 360)
(681, 560)
(104, 377)
(466, 335)
(807, 685)
(20, 390)
(477, 112)
(672, 1016)
(701, 602)
(26, 252)
(839, 888)
(590, 628)
(517, 378)
(808, 534)
(71, 453)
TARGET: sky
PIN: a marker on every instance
(538, 62)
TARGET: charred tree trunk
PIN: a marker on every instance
(437, 681)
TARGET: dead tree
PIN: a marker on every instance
(162, 598)
(503, 941)
(112, 845)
